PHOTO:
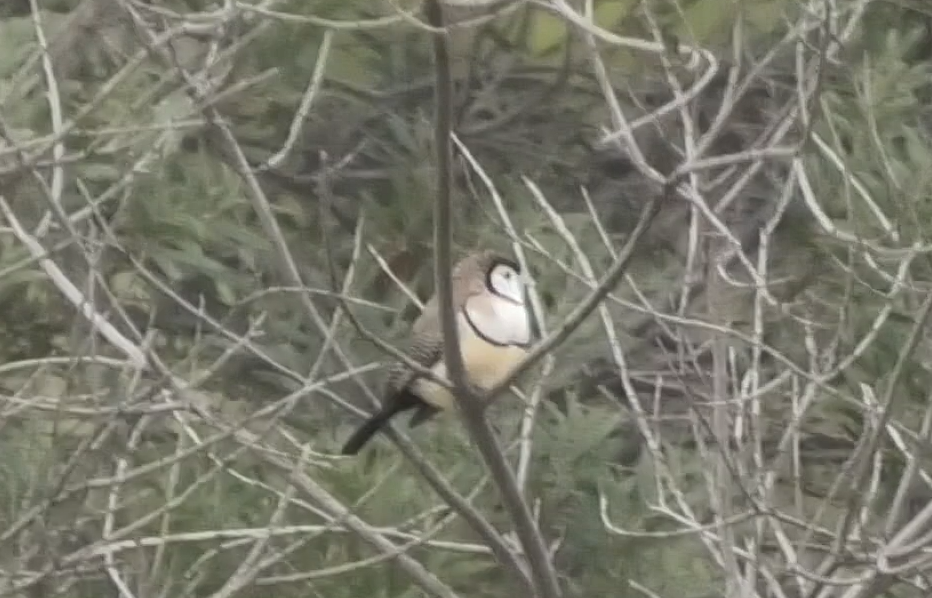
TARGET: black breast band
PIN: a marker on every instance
(487, 339)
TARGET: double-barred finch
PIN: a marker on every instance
(494, 333)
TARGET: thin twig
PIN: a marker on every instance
(585, 307)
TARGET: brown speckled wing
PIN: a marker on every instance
(426, 349)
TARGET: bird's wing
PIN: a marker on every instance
(424, 347)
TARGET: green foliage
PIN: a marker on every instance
(151, 182)
(190, 219)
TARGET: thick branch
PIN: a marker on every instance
(543, 575)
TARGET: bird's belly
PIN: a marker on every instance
(486, 365)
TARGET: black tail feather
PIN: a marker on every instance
(423, 413)
(368, 429)
(393, 406)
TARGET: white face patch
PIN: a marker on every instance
(499, 320)
(505, 282)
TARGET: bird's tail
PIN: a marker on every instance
(367, 430)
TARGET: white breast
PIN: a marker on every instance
(500, 321)
(486, 364)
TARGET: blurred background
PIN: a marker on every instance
(219, 182)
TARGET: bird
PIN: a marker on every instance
(494, 329)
